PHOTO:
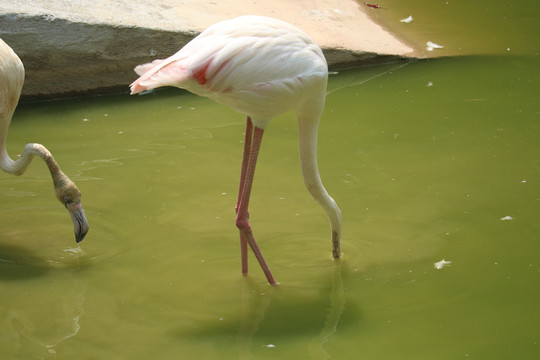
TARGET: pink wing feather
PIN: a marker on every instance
(168, 72)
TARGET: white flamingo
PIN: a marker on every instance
(260, 67)
(11, 82)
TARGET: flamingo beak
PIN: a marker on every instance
(80, 224)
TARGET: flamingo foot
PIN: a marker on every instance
(247, 234)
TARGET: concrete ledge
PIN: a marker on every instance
(64, 58)
(93, 48)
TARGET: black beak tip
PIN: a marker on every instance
(80, 237)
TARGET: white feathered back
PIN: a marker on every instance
(256, 65)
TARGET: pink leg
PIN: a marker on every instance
(245, 159)
(242, 215)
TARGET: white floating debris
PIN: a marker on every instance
(407, 20)
(505, 218)
(440, 264)
(429, 84)
(432, 45)
(270, 346)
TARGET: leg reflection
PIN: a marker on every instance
(337, 305)
(254, 302)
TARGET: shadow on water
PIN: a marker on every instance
(271, 316)
(16, 263)
(19, 262)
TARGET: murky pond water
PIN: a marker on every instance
(462, 26)
(428, 160)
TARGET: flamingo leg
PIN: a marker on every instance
(252, 145)
(245, 160)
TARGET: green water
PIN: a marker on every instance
(425, 159)
(463, 27)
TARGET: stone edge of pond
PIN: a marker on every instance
(64, 58)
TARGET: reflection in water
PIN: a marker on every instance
(255, 302)
(47, 313)
(53, 318)
(252, 314)
(337, 306)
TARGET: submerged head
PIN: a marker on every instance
(69, 195)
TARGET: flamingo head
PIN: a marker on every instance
(69, 195)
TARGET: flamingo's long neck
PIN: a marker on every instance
(19, 166)
(307, 136)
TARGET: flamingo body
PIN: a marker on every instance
(261, 67)
(255, 65)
